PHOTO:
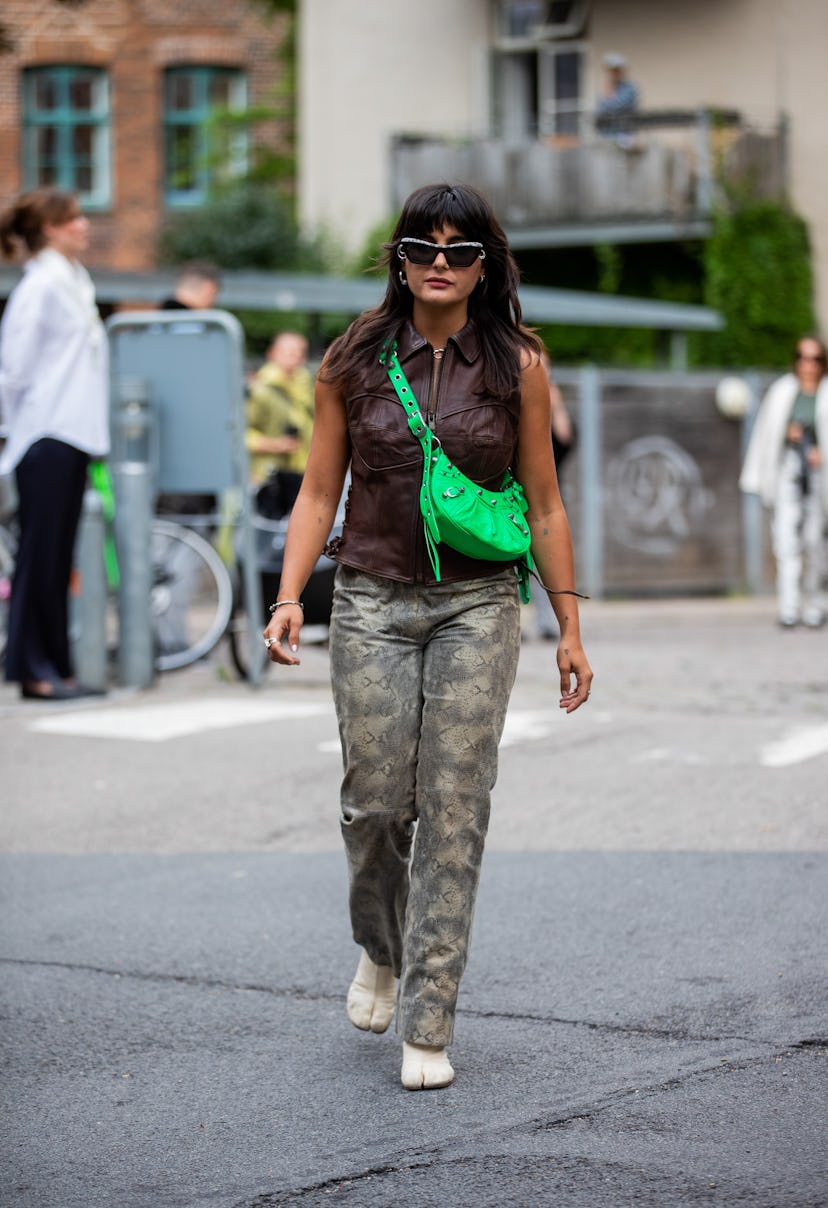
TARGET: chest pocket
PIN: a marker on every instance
(379, 432)
(480, 437)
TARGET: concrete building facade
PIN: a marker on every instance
(513, 72)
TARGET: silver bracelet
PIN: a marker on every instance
(279, 604)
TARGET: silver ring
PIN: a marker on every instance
(269, 642)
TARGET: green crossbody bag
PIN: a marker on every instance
(457, 511)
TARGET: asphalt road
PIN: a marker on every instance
(643, 1020)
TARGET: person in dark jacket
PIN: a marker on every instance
(422, 669)
(197, 286)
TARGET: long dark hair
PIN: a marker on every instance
(494, 304)
(823, 351)
(25, 218)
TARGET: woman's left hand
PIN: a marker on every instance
(572, 662)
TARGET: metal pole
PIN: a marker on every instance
(134, 491)
(89, 607)
(753, 526)
(678, 351)
(704, 165)
(592, 502)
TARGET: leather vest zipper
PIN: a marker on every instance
(436, 374)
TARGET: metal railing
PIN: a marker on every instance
(660, 165)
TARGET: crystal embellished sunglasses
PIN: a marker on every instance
(457, 255)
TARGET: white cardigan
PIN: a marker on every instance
(766, 446)
(53, 361)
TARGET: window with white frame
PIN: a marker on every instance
(66, 131)
(539, 69)
(199, 147)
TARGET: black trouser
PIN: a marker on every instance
(51, 479)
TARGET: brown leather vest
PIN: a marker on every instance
(383, 530)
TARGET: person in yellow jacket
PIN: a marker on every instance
(280, 413)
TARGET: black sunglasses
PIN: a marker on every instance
(457, 255)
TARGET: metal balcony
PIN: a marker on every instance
(657, 177)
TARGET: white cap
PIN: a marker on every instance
(614, 59)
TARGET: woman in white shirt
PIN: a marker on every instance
(786, 465)
(54, 402)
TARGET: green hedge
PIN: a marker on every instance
(758, 275)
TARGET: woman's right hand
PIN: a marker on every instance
(282, 633)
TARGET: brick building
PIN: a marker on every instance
(114, 99)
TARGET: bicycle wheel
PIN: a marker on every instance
(192, 596)
(238, 640)
(238, 630)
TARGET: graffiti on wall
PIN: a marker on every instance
(656, 498)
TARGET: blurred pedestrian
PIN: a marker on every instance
(54, 396)
(618, 101)
(197, 286)
(423, 663)
(785, 464)
(280, 419)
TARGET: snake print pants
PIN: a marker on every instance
(421, 680)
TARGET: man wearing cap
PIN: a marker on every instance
(618, 101)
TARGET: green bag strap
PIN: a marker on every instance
(524, 567)
(417, 425)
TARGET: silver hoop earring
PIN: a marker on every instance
(403, 278)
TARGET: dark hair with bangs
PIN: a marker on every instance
(494, 305)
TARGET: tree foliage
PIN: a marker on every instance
(248, 225)
(758, 275)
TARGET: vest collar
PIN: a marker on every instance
(466, 341)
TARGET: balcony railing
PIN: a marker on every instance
(660, 167)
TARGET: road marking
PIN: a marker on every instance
(522, 725)
(804, 743)
(160, 723)
(530, 725)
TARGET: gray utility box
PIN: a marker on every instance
(189, 368)
(193, 365)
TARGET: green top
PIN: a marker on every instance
(804, 412)
(279, 404)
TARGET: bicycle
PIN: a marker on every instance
(270, 525)
(191, 594)
(191, 598)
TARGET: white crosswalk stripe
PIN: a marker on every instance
(162, 722)
(805, 742)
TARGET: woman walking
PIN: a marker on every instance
(785, 464)
(53, 393)
(422, 665)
